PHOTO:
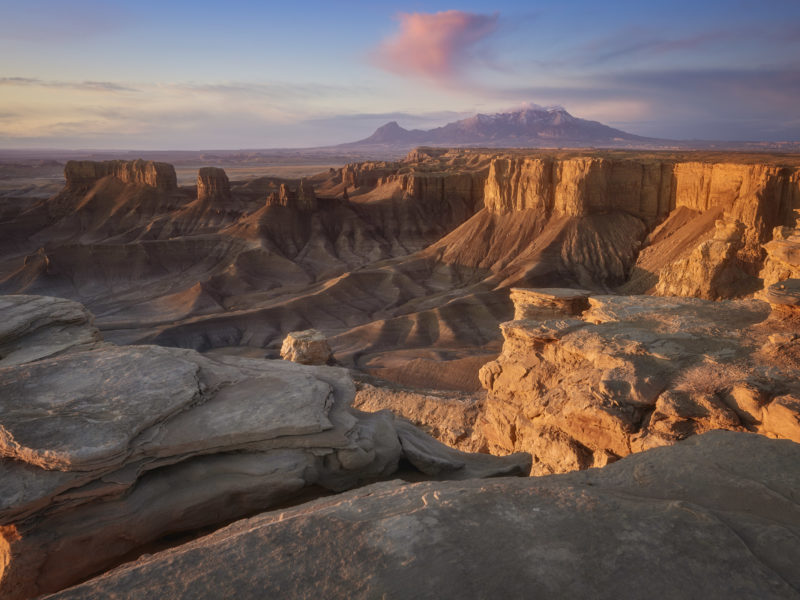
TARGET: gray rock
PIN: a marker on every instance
(35, 327)
(647, 526)
(104, 449)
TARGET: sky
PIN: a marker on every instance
(87, 74)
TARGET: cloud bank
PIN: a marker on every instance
(434, 46)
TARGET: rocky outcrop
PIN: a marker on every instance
(105, 449)
(356, 175)
(301, 198)
(213, 186)
(637, 372)
(449, 416)
(82, 175)
(309, 347)
(716, 516)
(783, 254)
(443, 188)
(713, 270)
(544, 303)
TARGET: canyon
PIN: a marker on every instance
(592, 318)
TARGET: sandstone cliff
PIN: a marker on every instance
(81, 175)
(761, 197)
(302, 197)
(213, 185)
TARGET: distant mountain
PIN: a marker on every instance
(528, 127)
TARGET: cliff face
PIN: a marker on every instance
(81, 175)
(757, 195)
(213, 185)
(760, 197)
(367, 173)
(439, 188)
(575, 187)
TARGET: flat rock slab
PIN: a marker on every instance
(552, 293)
(725, 527)
(35, 327)
(254, 410)
(81, 411)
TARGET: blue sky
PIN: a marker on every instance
(203, 75)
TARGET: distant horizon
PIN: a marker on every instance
(92, 74)
(336, 146)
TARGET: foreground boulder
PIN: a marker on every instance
(635, 372)
(309, 347)
(716, 516)
(107, 449)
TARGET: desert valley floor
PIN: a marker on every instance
(623, 326)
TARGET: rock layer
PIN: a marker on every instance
(105, 449)
(783, 254)
(81, 175)
(713, 269)
(213, 185)
(638, 372)
(714, 517)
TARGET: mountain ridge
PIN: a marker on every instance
(527, 127)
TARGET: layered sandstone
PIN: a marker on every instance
(714, 517)
(301, 198)
(544, 303)
(441, 188)
(213, 186)
(81, 175)
(783, 254)
(637, 372)
(757, 195)
(574, 187)
(761, 197)
(106, 449)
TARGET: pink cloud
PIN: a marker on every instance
(434, 46)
